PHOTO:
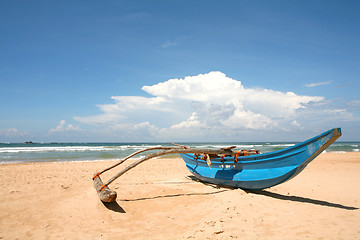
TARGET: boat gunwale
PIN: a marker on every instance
(281, 151)
(274, 154)
(309, 153)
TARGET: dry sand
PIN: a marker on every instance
(159, 200)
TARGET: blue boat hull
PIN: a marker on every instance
(261, 170)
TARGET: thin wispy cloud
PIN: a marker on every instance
(317, 84)
(168, 44)
(173, 43)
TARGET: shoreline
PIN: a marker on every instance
(17, 153)
(160, 199)
(84, 161)
(135, 158)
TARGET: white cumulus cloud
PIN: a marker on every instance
(62, 127)
(14, 135)
(12, 132)
(202, 105)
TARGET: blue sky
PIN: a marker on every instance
(178, 70)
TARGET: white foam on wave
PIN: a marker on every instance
(282, 145)
(50, 149)
(334, 151)
(65, 161)
(69, 149)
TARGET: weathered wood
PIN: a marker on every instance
(136, 153)
(105, 195)
(170, 151)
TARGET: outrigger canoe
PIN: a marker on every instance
(260, 171)
(246, 169)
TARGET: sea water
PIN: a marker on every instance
(50, 152)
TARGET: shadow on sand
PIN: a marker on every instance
(284, 197)
(183, 194)
(300, 199)
(173, 195)
(114, 206)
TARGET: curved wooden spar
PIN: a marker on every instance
(107, 195)
(136, 153)
(170, 151)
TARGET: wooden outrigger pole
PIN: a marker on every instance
(107, 195)
(233, 168)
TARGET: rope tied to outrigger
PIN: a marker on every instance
(236, 156)
(103, 187)
(96, 175)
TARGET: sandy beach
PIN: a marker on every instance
(160, 200)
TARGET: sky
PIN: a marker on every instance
(160, 71)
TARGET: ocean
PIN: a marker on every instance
(55, 152)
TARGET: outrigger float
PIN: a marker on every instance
(246, 169)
